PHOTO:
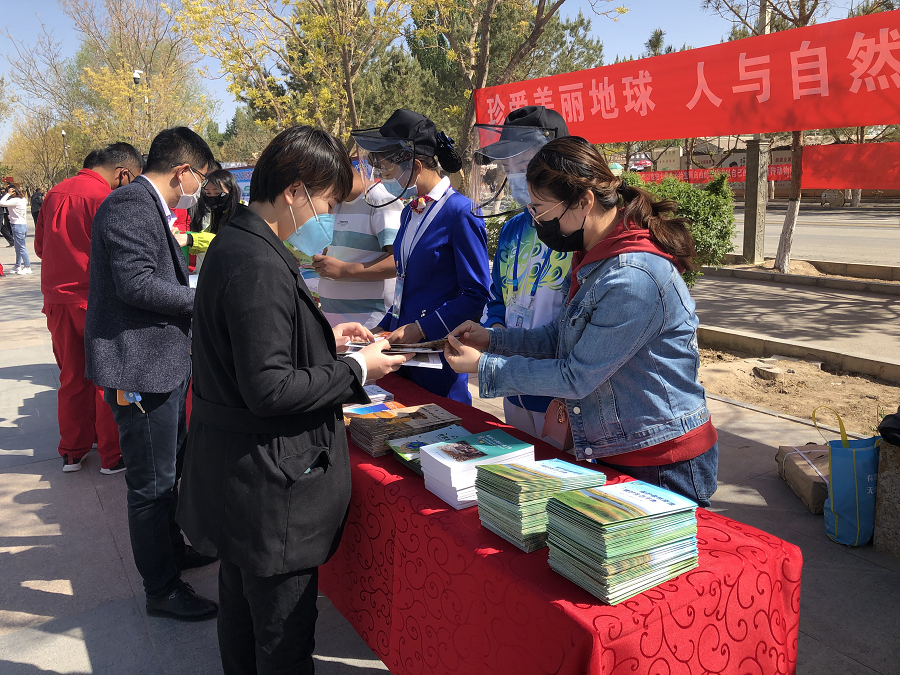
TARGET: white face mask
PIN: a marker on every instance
(518, 186)
(187, 201)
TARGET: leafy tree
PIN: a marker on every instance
(96, 89)
(34, 152)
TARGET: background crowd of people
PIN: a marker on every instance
(583, 324)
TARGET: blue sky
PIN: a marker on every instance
(683, 20)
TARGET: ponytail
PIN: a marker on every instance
(567, 168)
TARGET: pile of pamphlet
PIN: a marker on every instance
(450, 469)
(407, 450)
(512, 498)
(377, 394)
(371, 431)
(618, 541)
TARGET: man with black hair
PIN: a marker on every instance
(137, 347)
(62, 239)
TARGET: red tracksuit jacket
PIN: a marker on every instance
(62, 237)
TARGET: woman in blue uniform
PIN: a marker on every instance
(440, 252)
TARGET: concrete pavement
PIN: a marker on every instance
(71, 599)
(840, 321)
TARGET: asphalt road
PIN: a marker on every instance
(869, 234)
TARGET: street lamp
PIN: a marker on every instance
(66, 152)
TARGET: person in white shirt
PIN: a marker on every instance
(357, 272)
(17, 206)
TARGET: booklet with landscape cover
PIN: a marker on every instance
(371, 431)
(450, 468)
(617, 541)
(512, 498)
(406, 450)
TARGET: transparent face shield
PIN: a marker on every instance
(387, 167)
(499, 162)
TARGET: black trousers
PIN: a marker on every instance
(267, 625)
(152, 446)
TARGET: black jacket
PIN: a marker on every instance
(266, 482)
(138, 325)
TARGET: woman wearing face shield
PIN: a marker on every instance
(623, 351)
(266, 482)
(441, 249)
(529, 280)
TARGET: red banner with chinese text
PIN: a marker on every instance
(837, 74)
(736, 174)
(869, 166)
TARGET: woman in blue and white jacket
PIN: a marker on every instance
(623, 351)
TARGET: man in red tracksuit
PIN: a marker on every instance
(62, 240)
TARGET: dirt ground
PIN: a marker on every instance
(804, 268)
(860, 400)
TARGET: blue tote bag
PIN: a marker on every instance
(850, 506)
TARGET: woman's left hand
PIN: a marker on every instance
(406, 335)
(461, 358)
(353, 331)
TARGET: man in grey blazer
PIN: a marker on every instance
(138, 341)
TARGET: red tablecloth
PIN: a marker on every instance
(431, 591)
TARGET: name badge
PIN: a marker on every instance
(519, 316)
(398, 298)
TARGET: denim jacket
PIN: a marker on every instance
(623, 354)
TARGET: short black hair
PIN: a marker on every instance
(119, 154)
(91, 160)
(305, 155)
(175, 146)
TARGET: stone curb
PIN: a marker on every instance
(784, 416)
(803, 280)
(862, 271)
(763, 346)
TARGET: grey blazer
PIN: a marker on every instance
(137, 334)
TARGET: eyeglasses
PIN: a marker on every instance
(204, 180)
(533, 212)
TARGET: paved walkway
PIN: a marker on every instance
(71, 599)
(841, 321)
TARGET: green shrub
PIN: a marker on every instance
(493, 227)
(709, 208)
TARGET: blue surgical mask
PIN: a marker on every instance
(394, 187)
(518, 186)
(315, 234)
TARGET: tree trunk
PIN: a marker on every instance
(783, 257)
(856, 198)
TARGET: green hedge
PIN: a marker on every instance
(710, 208)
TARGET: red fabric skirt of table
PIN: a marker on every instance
(432, 592)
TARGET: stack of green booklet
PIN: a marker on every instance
(512, 498)
(618, 541)
(406, 450)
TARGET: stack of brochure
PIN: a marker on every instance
(371, 431)
(618, 541)
(512, 498)
(450, 469)
(407, 450)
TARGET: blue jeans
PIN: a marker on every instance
(19, 234)
(692, 478)
(152, 446)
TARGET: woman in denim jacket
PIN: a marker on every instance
(623, 351)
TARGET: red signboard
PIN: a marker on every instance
(870, 166)
(736, 174)
(837, 74)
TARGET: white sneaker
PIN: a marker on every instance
(25, 270)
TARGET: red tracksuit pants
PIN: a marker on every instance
(84, 416)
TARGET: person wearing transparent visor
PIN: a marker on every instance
(441, 248)
(528, 280)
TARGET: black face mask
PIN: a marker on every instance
(548, 231)
(219, 202)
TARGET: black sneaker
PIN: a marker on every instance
(71, 464)
(182, 604)
(118, 468)
(192, 559)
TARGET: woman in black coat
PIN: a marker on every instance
(266, 482)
